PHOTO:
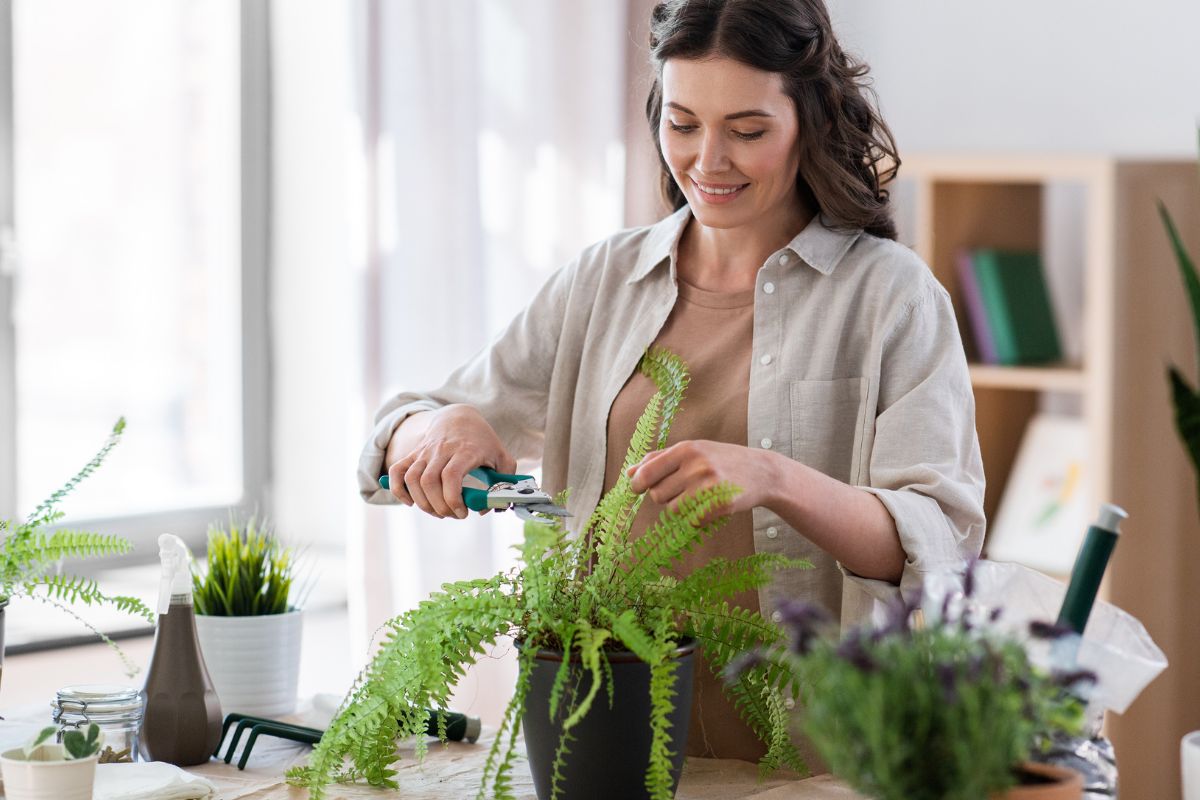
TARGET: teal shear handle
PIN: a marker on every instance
(477, 499)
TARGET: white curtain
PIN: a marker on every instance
(493, 141)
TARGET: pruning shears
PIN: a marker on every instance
(518, 492)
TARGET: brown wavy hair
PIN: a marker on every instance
(843, 171)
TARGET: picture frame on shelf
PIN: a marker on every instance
(1043, 512)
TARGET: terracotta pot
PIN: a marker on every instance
(1054, 783)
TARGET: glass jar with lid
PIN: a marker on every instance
(116, 709)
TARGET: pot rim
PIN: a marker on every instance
(686, 646)
(19, 758)
(291, 612)
(1063, 777)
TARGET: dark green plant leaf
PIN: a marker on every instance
(1187, 270)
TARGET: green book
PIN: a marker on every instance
(1017, 306)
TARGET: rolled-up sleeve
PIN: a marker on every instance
(507, 381)
(925, 464)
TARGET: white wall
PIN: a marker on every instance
(1093, 76)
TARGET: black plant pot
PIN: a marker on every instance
(610, 747)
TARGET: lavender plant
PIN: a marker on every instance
(937, 711)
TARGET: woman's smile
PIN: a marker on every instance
(718, 193)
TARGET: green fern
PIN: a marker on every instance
(606, 589)
(31, 555)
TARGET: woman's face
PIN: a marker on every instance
(731, 139)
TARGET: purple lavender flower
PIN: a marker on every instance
(947, 676)
(804, 622)
(969, 578)
(853, 649)
(1046, 630)
(743, 664)
(1070, 679)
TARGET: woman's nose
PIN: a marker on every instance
(712, 158)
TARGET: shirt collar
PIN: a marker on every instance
(818, 245)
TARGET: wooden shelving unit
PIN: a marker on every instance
(1135, 321)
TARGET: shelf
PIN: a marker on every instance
(1053, 378)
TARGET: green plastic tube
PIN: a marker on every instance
(1089, 568)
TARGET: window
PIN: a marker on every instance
(133, 259)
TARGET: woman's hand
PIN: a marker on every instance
(682, 469)
(456, 440)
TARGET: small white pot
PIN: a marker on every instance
(254, 662)
(1189, 758)
(47, 776)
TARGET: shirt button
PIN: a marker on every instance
(772, 532)
(765, 359)
(769, 288)
(766, 443)
(776, 616)
(783, 259)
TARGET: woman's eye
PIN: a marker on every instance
(680, 128)
(749, 137)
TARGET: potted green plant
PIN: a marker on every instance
(604, 636)
(941, 709)
(249, 618)
(43, 769)
(1185, 396)
(31, 552)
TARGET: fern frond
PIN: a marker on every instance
(50, 547)
(44, 513)
(721, 578)
(131, 670)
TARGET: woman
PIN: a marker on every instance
(828, 379)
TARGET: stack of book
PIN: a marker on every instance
(1008, 308)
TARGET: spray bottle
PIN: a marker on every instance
(182, 720)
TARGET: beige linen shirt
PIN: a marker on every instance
(857, 370)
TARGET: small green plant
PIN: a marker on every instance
(938, 711)
(1185, 397)
(31, 555)
(249, 572)
(76, 744)
(603, 590)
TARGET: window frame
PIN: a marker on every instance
(190, 523)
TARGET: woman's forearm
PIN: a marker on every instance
(850, 524)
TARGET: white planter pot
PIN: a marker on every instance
(254, 662)
(1189, 757)
(47, 779)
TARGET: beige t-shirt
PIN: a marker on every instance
(712, 332)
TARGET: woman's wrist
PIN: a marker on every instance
(782, 482)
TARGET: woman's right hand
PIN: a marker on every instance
(456, 439)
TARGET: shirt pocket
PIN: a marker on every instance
(828, 426)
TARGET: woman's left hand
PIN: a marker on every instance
(682, 469)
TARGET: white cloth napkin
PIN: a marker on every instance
(150, 780)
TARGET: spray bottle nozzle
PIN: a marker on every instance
(176, 577)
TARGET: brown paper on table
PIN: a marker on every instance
(452, 771)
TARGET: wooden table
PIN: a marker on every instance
(451, 772)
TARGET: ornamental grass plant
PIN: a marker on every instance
(944, 710)
(248, 572)
(604, 590)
